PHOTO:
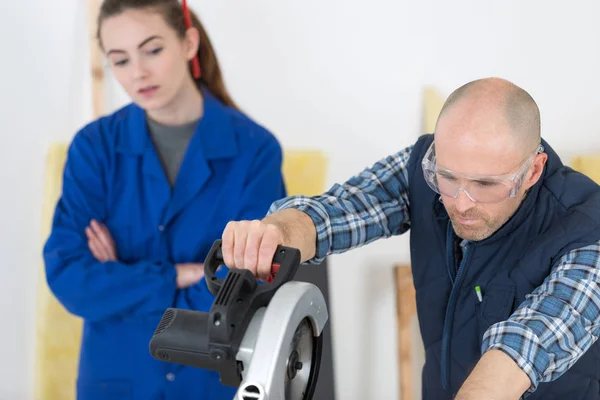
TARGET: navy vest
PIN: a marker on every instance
(560, 213)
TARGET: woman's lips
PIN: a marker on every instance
(148, 91)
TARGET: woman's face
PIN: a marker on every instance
(147, 57)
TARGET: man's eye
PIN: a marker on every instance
(446, 177)
(486, 183)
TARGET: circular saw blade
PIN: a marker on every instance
(303, 363)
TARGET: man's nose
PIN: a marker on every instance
(463, 202)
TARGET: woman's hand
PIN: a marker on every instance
(189, 274)
(103, 248)
(100, 242)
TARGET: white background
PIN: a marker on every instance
(345, 77)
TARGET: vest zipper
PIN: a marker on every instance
(449, 317)
(450, 254)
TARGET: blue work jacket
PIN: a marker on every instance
(231, 171)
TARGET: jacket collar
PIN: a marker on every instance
(215, 130)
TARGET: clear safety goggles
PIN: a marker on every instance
(479, 188)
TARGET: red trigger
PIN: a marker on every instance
(274, 270)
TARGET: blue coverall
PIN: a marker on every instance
(231, 171)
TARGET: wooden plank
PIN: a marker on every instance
(96, 62)
(406, 311)
(588, 164)
(58, 332)
(433, 105)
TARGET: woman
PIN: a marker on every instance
(146, 192)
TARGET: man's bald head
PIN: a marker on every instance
(502, 99)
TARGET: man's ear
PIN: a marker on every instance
(535, 172)
(192, 42)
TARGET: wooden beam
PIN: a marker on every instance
(96, 62)
(433, 105)
(406, 311)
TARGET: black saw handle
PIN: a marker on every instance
(284, 266)
(237, 298)
(211, 340)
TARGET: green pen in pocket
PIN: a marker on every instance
(478, 292)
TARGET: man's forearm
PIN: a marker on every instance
(495, 377)
(297, 229)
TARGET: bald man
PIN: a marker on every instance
(505, 248)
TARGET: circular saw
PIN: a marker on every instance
(263, 338)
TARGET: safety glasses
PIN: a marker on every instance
(479, 188)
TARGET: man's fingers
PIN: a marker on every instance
(239, 250)
(271, 239)
(252, 246)
(227, 243)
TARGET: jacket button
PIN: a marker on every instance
(161, 228)
(170, 377)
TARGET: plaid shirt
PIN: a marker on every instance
(549, 331)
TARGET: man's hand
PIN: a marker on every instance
(251, 245)
(189, 274)
(100, 242)
(495, 377)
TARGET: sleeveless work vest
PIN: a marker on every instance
(561, 212)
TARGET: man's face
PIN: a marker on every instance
(481, 144)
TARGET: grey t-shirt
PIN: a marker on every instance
(171, 143)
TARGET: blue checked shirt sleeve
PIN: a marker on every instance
(557, 323)
(371, 205)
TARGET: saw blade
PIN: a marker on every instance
(300, 362)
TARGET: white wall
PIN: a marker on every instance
(347, 76)
(318, 73)
(43, 97)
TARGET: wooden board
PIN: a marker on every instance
(96, 62)
(58, 333)
(406, 311)
(433, 103)
(589, 165)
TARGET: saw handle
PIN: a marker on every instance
(286, 262)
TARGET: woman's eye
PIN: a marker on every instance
(120, 63)
(156, 51)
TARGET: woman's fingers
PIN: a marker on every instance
(105, 240)
(94, 245)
